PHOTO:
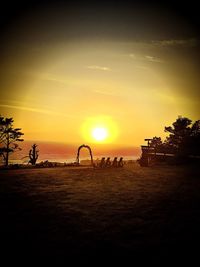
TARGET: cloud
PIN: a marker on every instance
(106, 92)
(146, 58)
(132, 56)
(37, 110)
(173, 42)
(153, 59)
(95, 67)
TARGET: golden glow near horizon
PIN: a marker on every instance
(93, 86)
(65, 82)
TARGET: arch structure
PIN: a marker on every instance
(78, 154)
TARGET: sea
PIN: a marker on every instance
(62, 153)
(71, 159)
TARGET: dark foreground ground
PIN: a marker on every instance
(63, 215)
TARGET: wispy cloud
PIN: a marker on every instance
(37, 110)
(132, 55)
(173, 42)
(96, 67)
(148, 58)
(153, 59)
(106, 92)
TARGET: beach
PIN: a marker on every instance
(118, 214)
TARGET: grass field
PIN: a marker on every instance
(53, 215)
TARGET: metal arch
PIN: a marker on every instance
(78, 154)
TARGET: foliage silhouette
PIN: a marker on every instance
(8, 138)
(184, 137)
(157, 144)
(181, 146)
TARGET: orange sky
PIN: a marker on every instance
(60, 84)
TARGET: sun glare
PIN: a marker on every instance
(100, 129)
(99, 134)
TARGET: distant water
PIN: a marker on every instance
(56, 158)
(66, 153)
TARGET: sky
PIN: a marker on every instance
(129, 68)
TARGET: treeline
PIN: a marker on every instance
(9, 139)
(183, 139)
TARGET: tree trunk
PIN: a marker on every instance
(7, 157)
(7, 151)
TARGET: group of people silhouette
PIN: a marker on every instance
(106, 163)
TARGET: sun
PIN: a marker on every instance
(99, 133)
(99, 129)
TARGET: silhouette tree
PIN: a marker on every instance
(179, 132)
(8, 138)
(33, 154)
(183, 141)
(156, 143)
(193, 142)
(184, 137)
(195, 130)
